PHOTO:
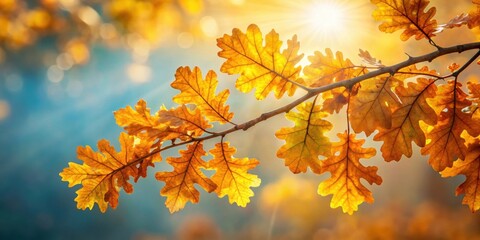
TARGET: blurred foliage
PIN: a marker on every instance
(71, 27)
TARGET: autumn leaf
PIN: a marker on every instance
(179, 184)
(181, 122)
(445, 143)
(457, 21)
(260, 66)
(201, 92)
(406, 120)
(371, 108)
(184, 123)
(327, 69)
(474, 15)
(366, 57)
(139, 119)
(305, 141)
(470, 167)
(104, 173)
(474, 96)
(409, 16)
(346, 171)
(231, 174)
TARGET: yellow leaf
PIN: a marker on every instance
(231, 174)
(262, 67)
(406, 120)
(305, 141)
(104, 173)
(445, 141)
(179, 188)
(201, 92)
(470, 167)
(371, 108)
(346, 172)
(409, 16)
(326, 69)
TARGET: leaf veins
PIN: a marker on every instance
(231, 174)
(470, 167)
(305, 141)
(406, 120)
(371, 108)
(104, 173)
(201, 92)
(407, 15)
(262, 67)
(346, 171)
(179, 187)
(445, 143)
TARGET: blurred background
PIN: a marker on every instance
(66, 65)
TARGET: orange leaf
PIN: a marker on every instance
(231, 174)
(201, 92)
(179, 187)
(346, 169)
(407, 15)
(371, 108)
(474, 96)
(445, 143)
(262, 67)
(406, 120)
(327, 69)
(474, 15)
(139, 120)
(305, 141)
(184, 123)
(103, 173)
(470, 167)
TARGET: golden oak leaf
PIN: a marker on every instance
(260, 66)
(305, 141)
(104, 173)
(201, 92)
(139, 120)
(407, 15)
(445, 143)
(179, 188)
(371, 108)
(470, 167)
(346, 171)
(231, 174)
(327, 69)
(184, 123)
(406, 120)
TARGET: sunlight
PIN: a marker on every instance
(326, 18)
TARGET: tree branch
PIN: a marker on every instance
(347, 84)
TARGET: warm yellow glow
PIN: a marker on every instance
(326, 17)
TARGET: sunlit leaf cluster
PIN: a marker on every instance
(396, 105)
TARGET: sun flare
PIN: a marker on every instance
(326, 17)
